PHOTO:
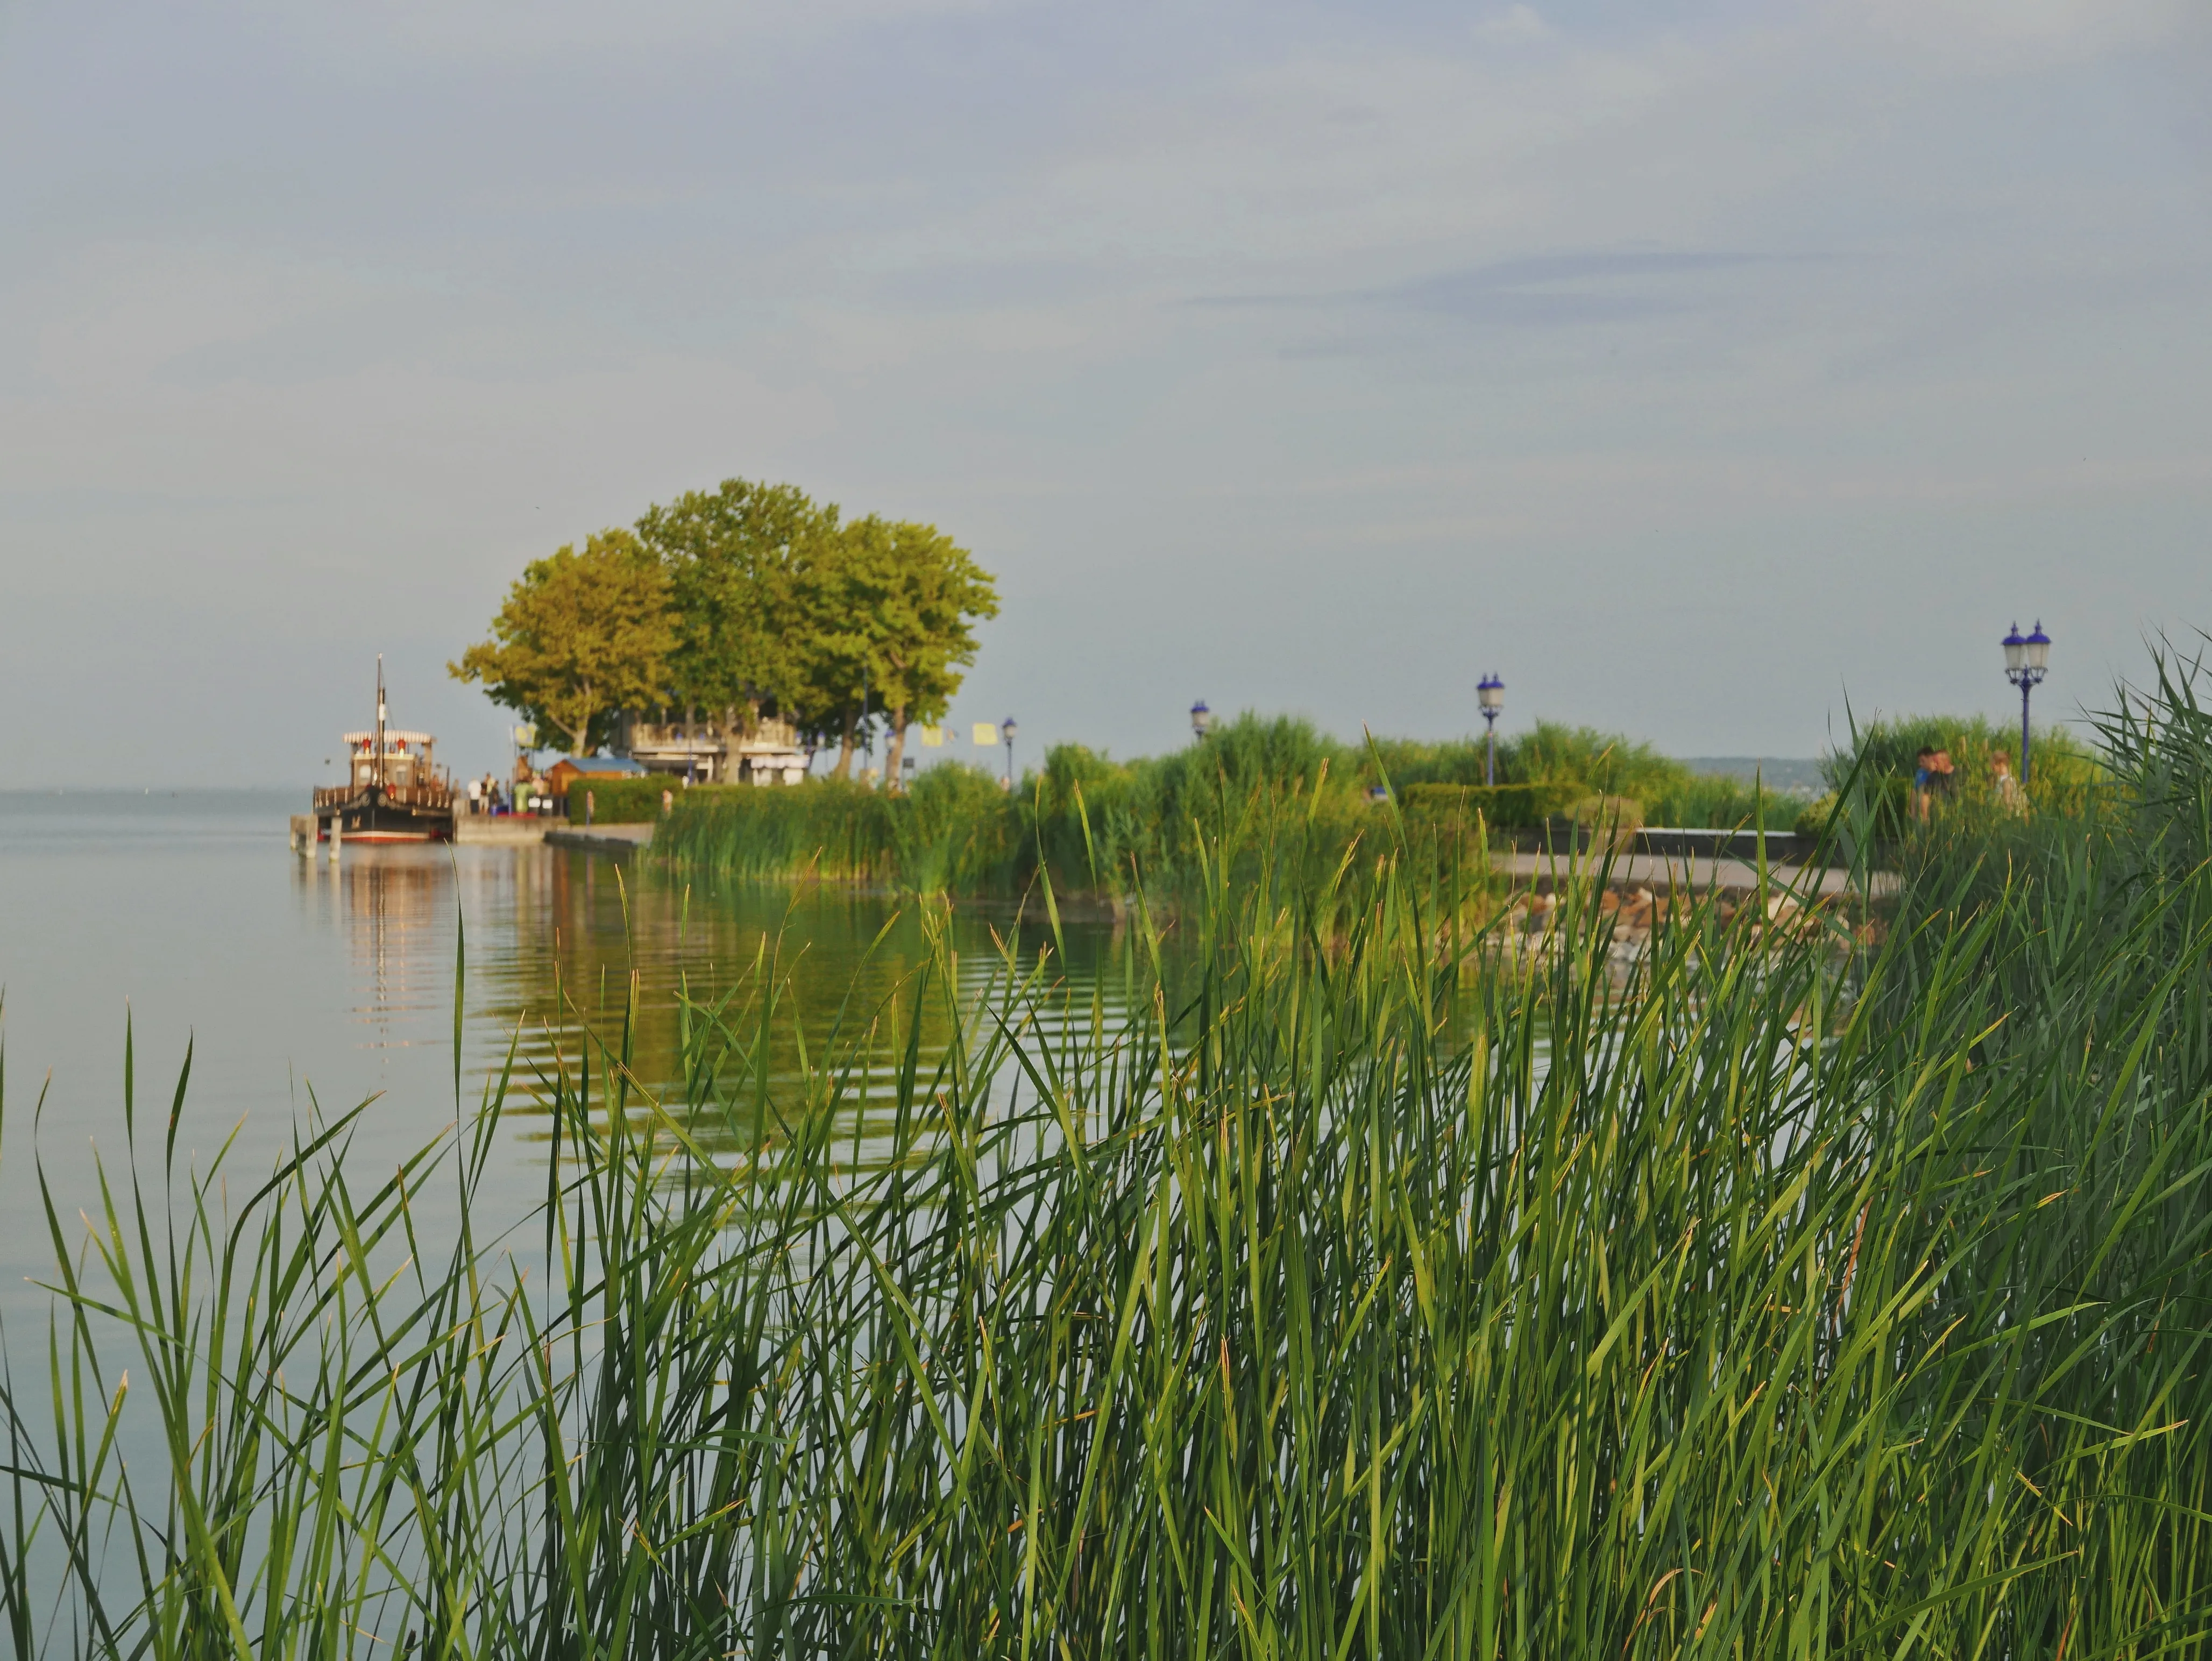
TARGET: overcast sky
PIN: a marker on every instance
(1694, 366)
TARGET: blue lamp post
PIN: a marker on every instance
(1489, 691)
(1006, 731)
(1201, 717)
(2028, 660)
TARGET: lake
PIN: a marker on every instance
(297, 982)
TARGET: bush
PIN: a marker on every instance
(1717, 802)
(1812, 820)
(623, 799)
(1504, 807)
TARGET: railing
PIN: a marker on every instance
(709, 734)
(403, 796)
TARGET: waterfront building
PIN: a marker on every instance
(715, 752)
(570, 768)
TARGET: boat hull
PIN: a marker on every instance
(370, 816)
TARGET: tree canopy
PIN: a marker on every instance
(582, 636)
(898, 606)
(747, 599)
(737, 558)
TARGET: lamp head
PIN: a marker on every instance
(2015, 651)
(2037, 648)
(1201, 717)
(1490, 692)
(1007, 729)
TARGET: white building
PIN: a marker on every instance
(714, 753)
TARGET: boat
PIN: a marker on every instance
(395, 792)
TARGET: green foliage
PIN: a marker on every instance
(740, 557)
(1550, 753)
(957, 832)
(904, 599)
(622, 800)
(1717, 802)
(825, 828)
(1308, 1291)
(1812, 819)
(740, 600)
(1106, 826)
(1507, 806)
(1555, 766)
(1604, 763)
(1098, 826)
(581, 637)
(2064, 775)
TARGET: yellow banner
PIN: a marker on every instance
(933, 737)
(986, 734)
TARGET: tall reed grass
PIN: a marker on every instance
(1321, 1288)
(1105, 828)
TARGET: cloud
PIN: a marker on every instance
(2008, 35)
(504, 32)
(1515, 26)
(1532, 291)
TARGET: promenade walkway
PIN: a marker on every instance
(1666, 873)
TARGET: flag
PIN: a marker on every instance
(987, 734)
(933, 737)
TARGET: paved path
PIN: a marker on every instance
(1670, 871)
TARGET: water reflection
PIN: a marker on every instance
(560, 942)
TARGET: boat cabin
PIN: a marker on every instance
(406, 759)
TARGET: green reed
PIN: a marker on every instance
(1319, 1287)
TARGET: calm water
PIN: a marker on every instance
(292, 977)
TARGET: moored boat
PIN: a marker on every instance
(394, 791)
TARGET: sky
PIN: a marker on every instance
(1704, 369)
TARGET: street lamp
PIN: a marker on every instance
(1006, 731)
(1201, 717)
(2028, 660)
(1490, 692)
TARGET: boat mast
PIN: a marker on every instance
(379, 722)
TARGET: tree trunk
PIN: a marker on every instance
(894, 773)
(577, 734)
(844, 768)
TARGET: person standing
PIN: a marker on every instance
(475, 796)
(2010, 798)
(1923, 775)
(1943, 777)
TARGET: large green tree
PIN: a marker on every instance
(582, 636)
(888, 611)
(936, 595)
(735, 557)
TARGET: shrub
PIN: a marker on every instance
(1812, 820)
(620, 800)
(1505, 807)
(1715, 801)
